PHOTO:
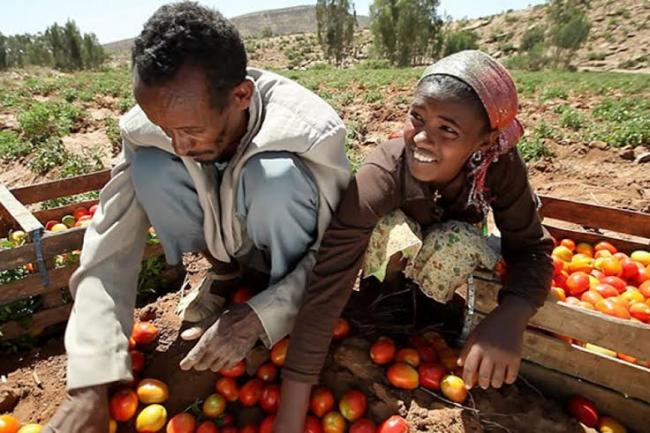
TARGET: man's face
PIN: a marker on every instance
(182, 108)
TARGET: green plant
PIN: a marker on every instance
(596, 55)
(533, 148)
(49, 155)
(150, 279)
(62, 201)
(373, 95)
(553, 93)
(572, 119)
(12, 146)
(460, 40)
(43, 120)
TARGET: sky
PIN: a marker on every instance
(113, 20)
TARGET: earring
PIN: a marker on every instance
(476, 158)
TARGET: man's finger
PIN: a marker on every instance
(485, 372)
(512, 372)
(471, 367)
(466, 350)
(194, 356)
(498, 375)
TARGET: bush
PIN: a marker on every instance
(49, 155)
(531, 38)
(459, 40)
(571, 119)
(49, 119)
(533, 148)
(374, 64)
(12, 146)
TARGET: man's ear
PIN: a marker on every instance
(243, 94)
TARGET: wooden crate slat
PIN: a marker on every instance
(14, 210)
(632, 412)
(619, 335)
(624, 245)
(618, 220)
(39, 321)
(59, 212)
(52, 245)
(33, 285)
(61, 188)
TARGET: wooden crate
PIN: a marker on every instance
(15, 215)
(617, 387)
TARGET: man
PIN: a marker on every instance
(239, 163)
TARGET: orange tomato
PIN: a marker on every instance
(409, 356)
(152, 391)
(591, 296)
(321, 402)
(563, 253)
(342, 329)
(612, 308)
(605, 290)
(123, 404)
(353, 405)
(453, 388)
(112, 426)
(627, 358)
(235, 371)
(605, 246)
(403, 376)
(632, 295)
(227, 387)
(144, 332)
(584, 248)
(333, 422)
(279, 352)
(214, 405)
(641, 256)
(568, 243)
(610, 266)
(383, 351)
(581, 263)
(558, 294)
(578, 283)
(181, 423)
(610, 425)
(9, 424)
(267, 372)
(602, 253)
(644, 288)
(151, 419)
(640, 311)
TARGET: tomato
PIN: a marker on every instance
(427, 354)
(583, 410)
(333, 422)
(342, 329)
(630, 270)
(353, 405)
(586, 305)
(251, 392)
(605, 290)
(606, 246)
(270, 399)
(449, 357)
(151, 419)
(643, 276)
(394, 424)
(403, 376)
(123, 404)
(312, 425)
(577, 283)
(144, 332)
(644, 288)
(279, 352)
(132, 343)
(363, 425)
(558, 265)
(229, 429)
(431, 375)
(267, 424)
(207, 427)
(627, 358)
(241, 295)
(453, 388)
(592, 297)
(79, 212)
(632, 295)
(182, 423)
(249, 428)
(585, 249)
(32, 428)
(641, 256)
(322, 401)
(214, 405)
(610, 266)
(235, 371)
(558, 294)
(267, 372)
(227, 387)
(152, 391)
(9, 424)
(568, 243)
(137, 360)
(610, 425)
(383, 351)
(602, 253)
(640, 311)
(572, 300)
(112, 426)
(615, 282)
(225, 419)
(92, 209)
(409, 356)
(597, 276)
(581, 263)
(601, 350)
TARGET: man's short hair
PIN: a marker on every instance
(186, 33)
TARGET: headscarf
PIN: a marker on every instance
(495, 88)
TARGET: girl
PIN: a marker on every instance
(420, 197)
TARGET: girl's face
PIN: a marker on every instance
(440, 134)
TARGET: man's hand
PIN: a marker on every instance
(85, 410)
(293, 407)
(227, 341)
(492, 354)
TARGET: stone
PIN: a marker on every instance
(640, 150)
(8, 400)
(598, 144)
(642, 159)
(627, 154)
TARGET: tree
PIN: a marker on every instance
(569, 28)
(93, 52)
(73, 41)
(336, 22)
(406, 31)
(460, 40)
(3, 52)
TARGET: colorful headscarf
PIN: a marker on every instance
(495, 88)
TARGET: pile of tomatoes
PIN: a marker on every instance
(586, 412)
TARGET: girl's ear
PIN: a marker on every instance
(489, 139)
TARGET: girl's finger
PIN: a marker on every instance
(466, 349)
(470, 370)
(498, 375)
(485, 372)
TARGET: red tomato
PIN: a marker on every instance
(132, 343)
(383, 351)
(427, 354)
(9, 424)
(403, 376)
(558, 265)
(312, 425)
(644, 274)
(207, 427)
(394, 424)
(267, 372)
(226, 419)
(137, 360)
(267, 424)
(342, 329)
(605, 290)
(612, 308)
(453, 387)
(605, 246)
(640, 311)
(363, 426)
(251, 392)
(584, 411)
(353, 405)
(577, 283)
(235, 371)
(409, 356)
(249, 428)
(322, 401)
(214, 406)
(279, 352)
(630, 269)
(79, 212)
(431, 375)
(123, 404)
(144, 332)
(241, 295)
(333, 422)
(615, 282)
(227, 387)
(181, 423)
(270, 399)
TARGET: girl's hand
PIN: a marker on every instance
(293, 407)
(492, 354)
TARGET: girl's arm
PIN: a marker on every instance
(370, 195)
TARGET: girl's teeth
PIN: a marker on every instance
(422, 157)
